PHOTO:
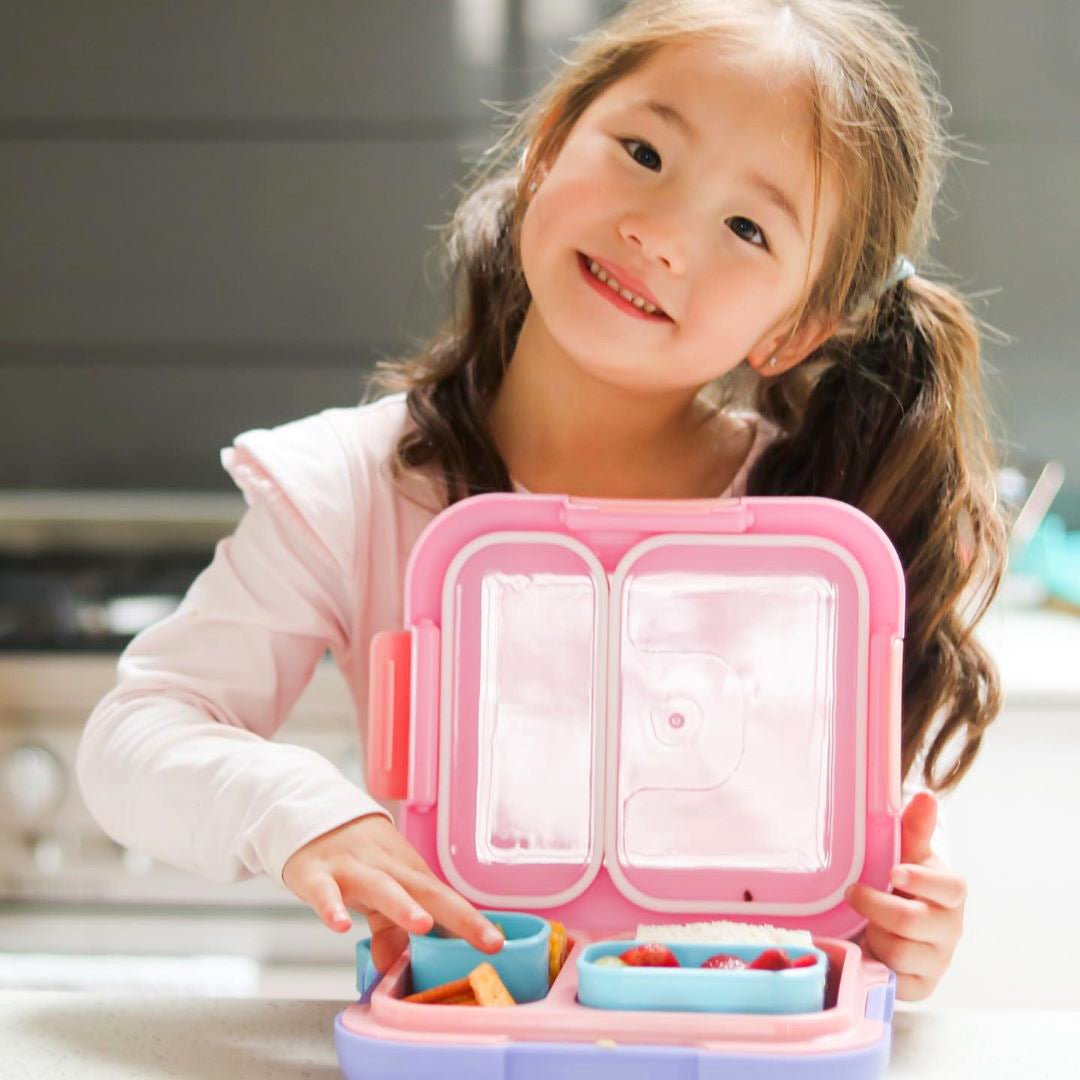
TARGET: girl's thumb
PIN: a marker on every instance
(917, 827)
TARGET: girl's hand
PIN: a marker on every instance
(915, 931)
(367, 865)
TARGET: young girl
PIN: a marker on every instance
(682, 279)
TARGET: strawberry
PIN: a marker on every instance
(724, 961)
(806, 960)
(771, 960)
(651, 955)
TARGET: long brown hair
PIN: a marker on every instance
(887, 415)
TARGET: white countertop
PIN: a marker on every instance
(74, 1036)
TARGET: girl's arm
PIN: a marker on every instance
(176, 761)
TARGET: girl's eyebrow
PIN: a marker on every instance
(776, 196)
(673, 118)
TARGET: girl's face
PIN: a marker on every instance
(691, 181)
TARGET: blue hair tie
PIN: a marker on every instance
(902, 269)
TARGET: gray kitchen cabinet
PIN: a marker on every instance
(217, 215)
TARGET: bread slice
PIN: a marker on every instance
(723, 932)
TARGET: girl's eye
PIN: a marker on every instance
(747, 230)
(646, 149)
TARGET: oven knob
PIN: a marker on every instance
(49, 855)
(32, 782)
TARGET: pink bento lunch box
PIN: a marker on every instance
(610, 712)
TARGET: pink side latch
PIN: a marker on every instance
(388, 715)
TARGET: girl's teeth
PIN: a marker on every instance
(626, 294)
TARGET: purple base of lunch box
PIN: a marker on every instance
(382, 1059)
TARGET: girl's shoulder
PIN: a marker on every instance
(327, 469)
(344, 442)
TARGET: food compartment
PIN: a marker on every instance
(702, 977)
(522, 963)
(856, 994)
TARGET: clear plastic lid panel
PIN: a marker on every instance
(525, 747)
(735, 663)
(713, 773)
(535, 730)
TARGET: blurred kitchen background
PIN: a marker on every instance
(215, 215)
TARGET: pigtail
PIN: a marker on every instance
(891, 421)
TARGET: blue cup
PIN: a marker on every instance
(522, 962)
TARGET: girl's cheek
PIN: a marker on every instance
(567, 209)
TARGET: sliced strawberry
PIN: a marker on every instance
(724, 961)
(651, 955)
(771, 960)
(806, 960)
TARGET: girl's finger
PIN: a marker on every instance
(325, 897)
(450, 910)
(373, 889)
(905, 957)
(907, 918)
(388, 942)
(941, 887)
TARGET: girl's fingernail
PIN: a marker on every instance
(900, 878)
(492, 937)
(341, 915)
(849, 892)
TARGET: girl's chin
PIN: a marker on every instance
(617, 370)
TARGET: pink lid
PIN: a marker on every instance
(627, 712)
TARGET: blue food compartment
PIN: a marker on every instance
(522, 962)
(689, 988)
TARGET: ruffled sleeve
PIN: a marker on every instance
(301, 471)
(177, 760)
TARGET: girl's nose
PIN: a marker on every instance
(657, 239)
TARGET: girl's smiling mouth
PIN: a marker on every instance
(613, 291)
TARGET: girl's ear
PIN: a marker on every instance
(779, 353)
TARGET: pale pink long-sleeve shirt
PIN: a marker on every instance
(177, 760)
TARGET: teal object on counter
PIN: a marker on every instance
(1053, 556)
